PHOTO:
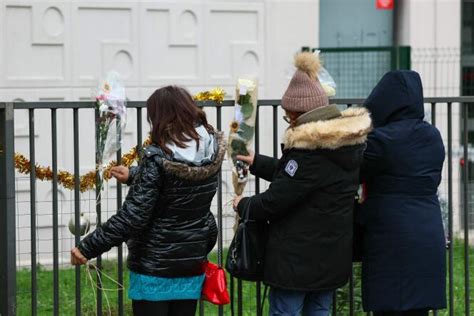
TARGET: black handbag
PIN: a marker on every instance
(245, 258)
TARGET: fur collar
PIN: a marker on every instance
(184, 171)
(351, 128)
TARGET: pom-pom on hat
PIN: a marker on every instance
(305, 93)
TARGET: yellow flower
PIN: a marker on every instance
(107, 88)
(234, 126)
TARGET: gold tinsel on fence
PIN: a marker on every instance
(88, 180)
(66, 179)
(217, 95)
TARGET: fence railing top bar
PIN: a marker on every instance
(463, 99)
(226, 103)
(347, 101)
(136, 104)
(358, 49)
(271, 102)
(130, 104)
(55, 105)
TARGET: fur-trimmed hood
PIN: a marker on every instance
(351, 128)
(198, 173)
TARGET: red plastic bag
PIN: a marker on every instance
(214, 289)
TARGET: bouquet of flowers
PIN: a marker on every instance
(242, 130)
(111, 104)
(326, 80)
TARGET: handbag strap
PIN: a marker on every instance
(246, 214)
(265, 291)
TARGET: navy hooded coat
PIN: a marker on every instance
(403, 261)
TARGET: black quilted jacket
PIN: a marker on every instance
(165, 219)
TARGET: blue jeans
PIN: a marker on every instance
(293, 303)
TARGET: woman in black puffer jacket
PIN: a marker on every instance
(166, 219)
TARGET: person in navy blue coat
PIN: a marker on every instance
(403, 260)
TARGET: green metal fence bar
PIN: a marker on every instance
(7, 212)
(466, 208)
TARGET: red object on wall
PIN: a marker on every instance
(384, 4)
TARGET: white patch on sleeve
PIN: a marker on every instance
(291, 167)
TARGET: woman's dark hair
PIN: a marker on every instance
(174, 116)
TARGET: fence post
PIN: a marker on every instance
(7, 213)
(400, 57)
(404, 57)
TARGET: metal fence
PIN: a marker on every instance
(356, 70)
(23, 296)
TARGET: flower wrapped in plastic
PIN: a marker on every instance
(326, 80)
(242, 130)
(111, 105)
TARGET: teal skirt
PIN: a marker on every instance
(152, 288)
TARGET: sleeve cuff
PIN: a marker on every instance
(131, 175)
(253, 167)
(84, 251)
(243, 204)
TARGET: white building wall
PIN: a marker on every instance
(56, 50)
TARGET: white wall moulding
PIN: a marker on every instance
(121, 57)
(247, 59)
(48, 23)
(184, 25)
(104, 37)
(34, 46)
(235, 41)
(171, 49)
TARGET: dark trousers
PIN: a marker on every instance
(294, 303)
(415, 312)
(164, 308)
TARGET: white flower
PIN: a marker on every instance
(330, 91)
(239, 117)
(104, 107)
(246, 85)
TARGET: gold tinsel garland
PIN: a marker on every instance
(66, 179)
(88, 180)
(217, 95)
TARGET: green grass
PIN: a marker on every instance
(67, 291)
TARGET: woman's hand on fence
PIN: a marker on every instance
(77, 258)
(247, 159)
(237, 201)
(120, 173)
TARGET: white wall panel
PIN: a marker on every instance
(35, 53)
(171, 47)
(199, 44)
(105, 40)
(235, 42)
